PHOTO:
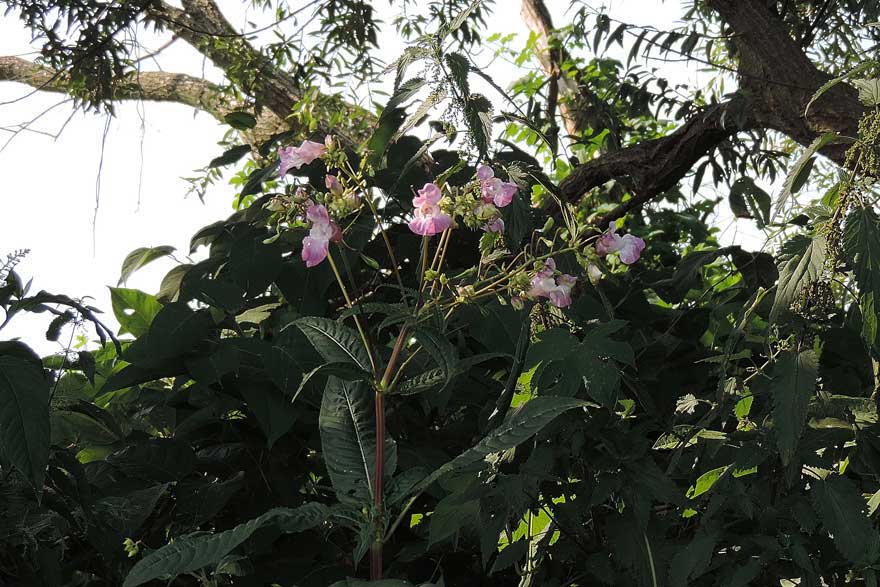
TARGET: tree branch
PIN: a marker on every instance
(551, 56)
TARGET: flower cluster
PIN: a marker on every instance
(547, 283)
(477, 204)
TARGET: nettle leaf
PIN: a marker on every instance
(869, 91)
(747, 200)
(347, 424)
(198, 550)
(334, 342)
(794, 379)
(804, 265)
(800, 171)
(141, 257)
(692, 561)
(478, 116)
(459, 67)
(524, 423)
(176, 330)
(843, 513)
(24, 417)
(133, 309)
(861, 243)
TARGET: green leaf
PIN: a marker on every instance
(141, 257)
(347, 424)
(24, 417)
(843, 512)
(804, 265)
(869, 91)
(747, 200)
(478, 117)
(691, 561)
(705, 482)
(335, 342)
(253, 265)
(794, 379)
(198, 550)
(524, 423)
(861, 244)
(240, 120)
(459, 67)
(230, 156)
(176, 330)
(273, 410)
(450, 515)
(800, 171)
(133, 309)
(441, 351)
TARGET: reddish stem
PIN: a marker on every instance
(379, 472)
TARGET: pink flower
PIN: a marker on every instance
(558, 290)
(316, 246)
(628, 247)
(429, 219)
(332, 183)
(496, 225)
(493, 189)
(296, 157)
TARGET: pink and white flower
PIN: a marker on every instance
(316, 246)
(496, 225)
(493, 189)
(558, 290)
(628, 247)
(333, 185)
(296, 157)
(429, 219)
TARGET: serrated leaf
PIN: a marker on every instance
(861, 244)
(843, 513)
(347, 424)
(524, 423)
(478, 117)
(441, 351)
(198, 550)
(869, 91)
(335, 342)
(24, 417)
(794, 379)
(804, 265)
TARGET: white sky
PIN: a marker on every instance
(49, 193)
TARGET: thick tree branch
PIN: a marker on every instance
(154, 86)
(777, 81)
(551, 55)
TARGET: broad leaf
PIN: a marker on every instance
(804, 265)
(24, 417)
(862, 247)
(794, 379)
(800, 171)
(139, 258)
(198, 550)
(347, 423)
(843, 512)
(133, 309)
(335, 342)
(527, 421)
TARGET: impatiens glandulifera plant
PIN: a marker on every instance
(439, 209)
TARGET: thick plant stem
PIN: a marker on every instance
(379, 473)
(379, 468)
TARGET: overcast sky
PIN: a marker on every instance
(80, 213)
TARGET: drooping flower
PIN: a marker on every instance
(316, 246)
(496, 225)
(296, 157)
(558, 290)
(493, 189)
(628, 247)
(429, 219)
(332, 183)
